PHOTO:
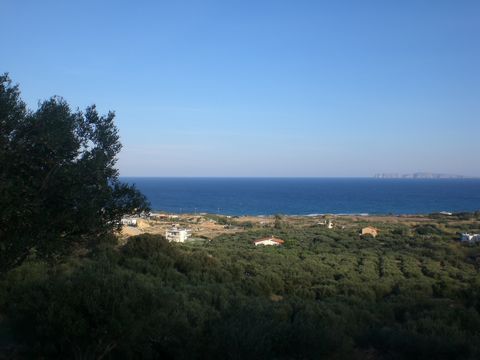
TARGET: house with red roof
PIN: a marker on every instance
(271, 240)
(370, 230)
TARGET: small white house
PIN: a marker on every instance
(466, 237)
(272, 240)
(327, 223)
(177, 234)
(129, 221)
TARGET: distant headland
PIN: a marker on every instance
(419, 175)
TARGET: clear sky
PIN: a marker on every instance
(262, 88)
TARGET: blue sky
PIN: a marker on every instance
(262, 88)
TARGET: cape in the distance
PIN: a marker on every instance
(420, 175)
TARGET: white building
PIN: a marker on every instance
(466, 237)
(129, 221)
(177, 234)
(328, 223)
(272, 240)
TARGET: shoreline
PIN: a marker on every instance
(313, 215)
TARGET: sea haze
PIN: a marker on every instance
(303, 196)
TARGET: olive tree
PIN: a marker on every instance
(59, 187)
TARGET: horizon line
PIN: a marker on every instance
(295, 177)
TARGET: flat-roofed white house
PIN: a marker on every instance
(271, 240)
(129, 221)
(177, 234)
(328, 223)
(466, 237)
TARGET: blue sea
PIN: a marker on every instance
(304, 196)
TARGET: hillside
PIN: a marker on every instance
(411, 292)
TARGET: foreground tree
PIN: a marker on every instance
(59, 188)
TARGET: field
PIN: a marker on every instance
(210, 226)
(411, 292)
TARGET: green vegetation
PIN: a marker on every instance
(68, 290)
(324, 293)
(59, 189)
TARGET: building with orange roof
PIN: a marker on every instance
(271, 240)
(370, 230)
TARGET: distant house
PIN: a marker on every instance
(328, 224)
(177, 234)
(370, 230)
(271, 240)
(466, 237)
(129, 221)
(163, 216)
(157, 216)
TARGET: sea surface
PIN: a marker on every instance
(307, 196)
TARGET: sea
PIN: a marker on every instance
(308, 196)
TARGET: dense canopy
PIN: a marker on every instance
(59, 188)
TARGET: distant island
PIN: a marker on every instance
(418, 175)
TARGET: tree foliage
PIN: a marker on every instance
(59, 187)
